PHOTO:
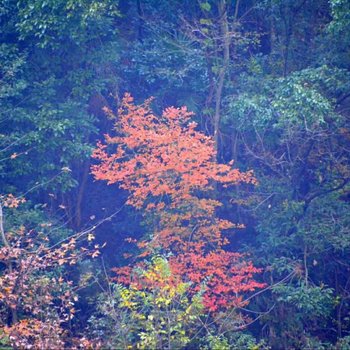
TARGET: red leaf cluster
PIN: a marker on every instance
(170, 171)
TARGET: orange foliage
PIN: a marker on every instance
(161, 157)
(170, 169)
(227, 274)
(36, 334)
(11, 201)
(29, 289)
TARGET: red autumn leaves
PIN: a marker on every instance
(170, 171)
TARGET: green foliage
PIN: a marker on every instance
(217, 343)
(312, 302)
(302, 101)
(51, 21)
(165, 68)
(341, 19)
(284, 112)
(58, 60)
(157, 317)
(234, 341)
(343, 343)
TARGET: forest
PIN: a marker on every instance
(175, 174)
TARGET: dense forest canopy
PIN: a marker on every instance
(175, 174)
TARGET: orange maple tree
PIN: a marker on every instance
(170, 171)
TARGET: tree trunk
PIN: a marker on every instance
(226, 41)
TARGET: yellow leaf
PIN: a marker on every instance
(90, 237)
(95, 254)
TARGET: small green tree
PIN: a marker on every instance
(155, 311)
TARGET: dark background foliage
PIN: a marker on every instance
(271, 80)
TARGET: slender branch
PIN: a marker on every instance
(2, 232)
